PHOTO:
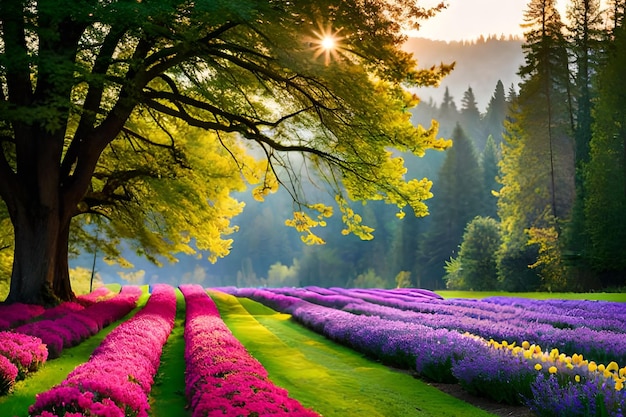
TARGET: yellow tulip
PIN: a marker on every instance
(525, 344)
(592, 366)
(538, 367)
(577, 378)
(552, 369)
(613, 366)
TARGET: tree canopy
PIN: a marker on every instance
(95, 97)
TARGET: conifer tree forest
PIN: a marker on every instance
(530, 196)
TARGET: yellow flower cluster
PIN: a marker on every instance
(574, 366)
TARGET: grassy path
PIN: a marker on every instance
(333, 380)
(167, 398)
(56, 370)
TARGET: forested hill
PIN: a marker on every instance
(479, 65)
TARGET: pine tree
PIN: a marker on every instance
(470, 119)
(489, 164)
(493, 122)
(458, 196)
(605, 175)
(538, 157)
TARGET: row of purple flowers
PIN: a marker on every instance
(118, 377)
(449, 355)
(221, 376)
(490, 320)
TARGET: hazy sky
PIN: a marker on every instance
(468, 19)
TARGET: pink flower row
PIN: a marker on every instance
(117, 379)
(222, 378)
(19, 355)
(15, 314)
(12, 315)
(98, 294)
(78, 323)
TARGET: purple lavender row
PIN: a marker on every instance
(600, 315)
(600, 345)
(541, 324)
(428, 351)
(74, 327)
(221, 377)
(117, 379)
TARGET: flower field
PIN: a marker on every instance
(557, 357)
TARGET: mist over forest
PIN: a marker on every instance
(267, 253)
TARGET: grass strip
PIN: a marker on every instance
(56, 370)
(332, 379)
(167, 397)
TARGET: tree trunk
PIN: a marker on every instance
(35, 256)
(62, 286)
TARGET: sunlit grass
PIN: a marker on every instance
(167, 397)
(331, 379)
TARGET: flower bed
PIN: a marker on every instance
(221, 377)
(97, 295)
(19, 355)
(12, 315)
(117, 379)
(502, 371)
(74, 327)
(596, 335)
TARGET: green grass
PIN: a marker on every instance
(56, 370)
(331, 379)
(167, 398)
(601, 296)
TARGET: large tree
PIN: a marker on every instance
(323, 79)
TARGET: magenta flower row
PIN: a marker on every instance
(222, 379)
(117, 379)
(19, 355)
(12, 315)
(97, 295)
(75, 326)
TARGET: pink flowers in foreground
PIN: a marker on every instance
(222, 379)
(117, 379)
(78, 323)
(19, 355)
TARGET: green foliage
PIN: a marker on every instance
(475, 267)
(454, 278)
(104, 102)
(605, 178)
(459, 193)
(280, 275)
(369, 279)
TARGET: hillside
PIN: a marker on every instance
(478, 65)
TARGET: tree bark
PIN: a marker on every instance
(35, 256)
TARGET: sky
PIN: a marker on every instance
(468, 19)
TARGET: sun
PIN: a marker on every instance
(327, 42)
